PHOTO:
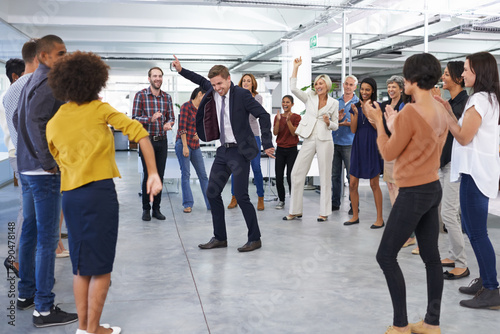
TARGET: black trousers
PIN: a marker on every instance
(229, 161)
(160, 148)
(284, 157)
(415, 209)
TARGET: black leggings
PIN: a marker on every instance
(415, 209)
(284, 157)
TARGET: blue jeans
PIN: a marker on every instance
(340, 153)
(474, 207)
(257, 172)
(39, 237)
(197, 160)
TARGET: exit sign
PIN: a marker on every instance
(313, 42)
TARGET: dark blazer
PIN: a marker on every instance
(242, 103)
(36, 107)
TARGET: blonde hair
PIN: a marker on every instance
(326, 79)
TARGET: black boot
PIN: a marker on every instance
(158, 215)
(485, 298)
(146, 216)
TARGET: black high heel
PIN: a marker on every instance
(9, 265)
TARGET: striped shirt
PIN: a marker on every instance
(146, 104)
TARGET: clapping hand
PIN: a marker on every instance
(372, 112)
(447, 106)
(326, 119)
(342, 116)
(354, 110)
(167, 126)
(156, 115)
(390, 116)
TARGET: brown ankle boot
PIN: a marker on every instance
(260, 204)
(233, 203)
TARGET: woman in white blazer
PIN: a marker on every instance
(316, 126)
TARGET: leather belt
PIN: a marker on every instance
(228, 145)
(157, 138)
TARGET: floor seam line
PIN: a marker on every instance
(189, 263)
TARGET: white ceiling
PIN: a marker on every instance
(247, 36)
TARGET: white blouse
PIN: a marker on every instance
(480, 158)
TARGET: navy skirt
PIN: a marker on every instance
(91, 214)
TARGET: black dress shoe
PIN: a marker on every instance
(377, 226)
(347, 223)
(158, 215)
(250, 246)
(213, 243)
(449, 276)
(335, 208)
(146, 216)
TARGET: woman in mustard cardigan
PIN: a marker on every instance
(82, 144)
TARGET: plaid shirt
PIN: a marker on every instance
(187, 125)
(146, 104)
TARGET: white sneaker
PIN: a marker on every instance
(64, 253)
(280, 205)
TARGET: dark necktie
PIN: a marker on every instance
(221, 124)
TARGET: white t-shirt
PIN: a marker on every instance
(479, 158)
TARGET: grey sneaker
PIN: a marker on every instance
(474, 286)
(56, 317)
(280, 205)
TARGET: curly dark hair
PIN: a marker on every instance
(424, 69)
(78, 77)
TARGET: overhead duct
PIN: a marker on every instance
(466, 28)
(434, 19)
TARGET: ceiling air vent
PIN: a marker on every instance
(389, 55)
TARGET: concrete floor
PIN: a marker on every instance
(309, 277)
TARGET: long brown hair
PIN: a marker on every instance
(484, 66)
(254, 83)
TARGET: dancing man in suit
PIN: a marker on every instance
(223, 114)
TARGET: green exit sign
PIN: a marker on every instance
(313, 42)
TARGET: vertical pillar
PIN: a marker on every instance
(350, 55)
(426, 28)
(342, 75)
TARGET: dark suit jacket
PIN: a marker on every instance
(242, 103)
